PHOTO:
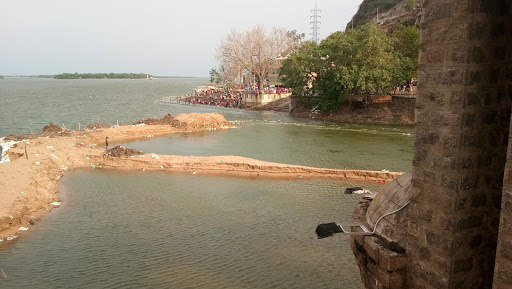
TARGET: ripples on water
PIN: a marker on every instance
(128, 230)
(288, 141)
(28, 104)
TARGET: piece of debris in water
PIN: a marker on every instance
(11, 237)
(357, 190)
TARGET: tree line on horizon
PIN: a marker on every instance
(363, 61)
(101, 75)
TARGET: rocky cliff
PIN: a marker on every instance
(391, 13)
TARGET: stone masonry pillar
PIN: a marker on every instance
(462, 125)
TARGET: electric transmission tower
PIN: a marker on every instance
(314, 23)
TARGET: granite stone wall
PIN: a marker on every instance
(462, 132)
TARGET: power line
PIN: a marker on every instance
(315, 23)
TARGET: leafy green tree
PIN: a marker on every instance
(300, 69)
(356, 62)
(410, 5)
(407, 43)
(1, 76)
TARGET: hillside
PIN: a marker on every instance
(391, 13)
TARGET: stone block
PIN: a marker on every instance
(469, 222)
(420, 155)
(466, 162)
(485, 160)
(503, 272)
(494, 138)
(446, 34)
(451, 141)
(482, 6)
(436, 97)
(431, 277)
(426, 136)
(498, 30)
(505, 227)
(441, 263)
(505, 249)
(494, 75)
(463, 265)
(432, 56)
(421, 117)
(489, 118)
(429, 177)
(448, 182)
(460, 54)
(469, 183)
(422, 252)
(506, 202)
(438, 241)
(414, 193)
(478, 31)
(445, 161)
(472, 141)
(392, 261)
(473, 78)
(382, 276)
(470, 120)
(499, 53)
(435, 11)
(358, 240)
(477, 55)
(372, 249)
(448, 77)
(444, 118)
(461, 204)
(461, 8)
(440, 198)
(415, 230)
(444, 221)
(507, 71)
(457, 98)
(398, 280)
(479, 200)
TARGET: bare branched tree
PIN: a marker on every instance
(255, 51)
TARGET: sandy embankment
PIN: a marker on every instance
(29, 183)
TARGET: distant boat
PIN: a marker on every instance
(147, 77)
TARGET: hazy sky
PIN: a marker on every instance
(150, 36)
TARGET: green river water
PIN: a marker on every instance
(156, 230)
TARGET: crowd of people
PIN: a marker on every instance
(228, 100)
(224, 97)
(215, 96)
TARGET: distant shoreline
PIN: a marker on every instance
(52, 77)
(102, 76)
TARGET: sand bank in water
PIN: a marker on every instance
(29, 182)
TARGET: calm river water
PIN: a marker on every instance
(155, 230)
